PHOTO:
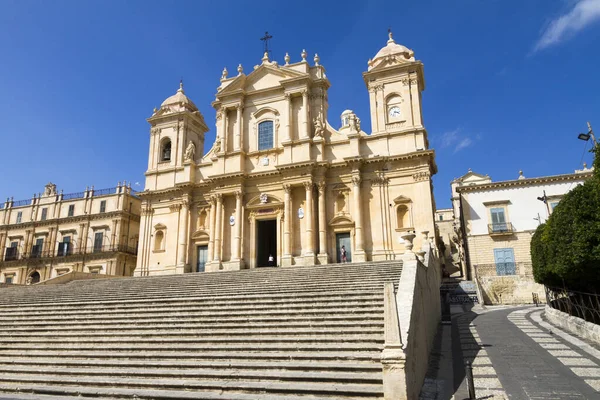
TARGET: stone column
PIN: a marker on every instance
(113, 234)
(218, 228)
(183, 231)
(288, 122)
(305, 125)
(237, 253)
(308, 215)
(359, 250)
(323, 258)
(287, 226)
(211, 237)
(238, 133)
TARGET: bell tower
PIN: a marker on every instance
(395, 82)
(176, 139)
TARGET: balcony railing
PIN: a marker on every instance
(500, 228)
(12, 253)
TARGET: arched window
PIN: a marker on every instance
(265, 135)
(402, 217)
(165, 151)
(159, 240)
(33, 278)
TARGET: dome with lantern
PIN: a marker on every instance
(391, 52)
(179, 100)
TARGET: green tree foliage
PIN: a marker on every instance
(566, 250)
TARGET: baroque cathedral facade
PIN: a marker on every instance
(280, 185)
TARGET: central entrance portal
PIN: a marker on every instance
(266, 243)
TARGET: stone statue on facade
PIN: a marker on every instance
(318, 127)
(217, 145)
(190, 151)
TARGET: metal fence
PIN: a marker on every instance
(577, 304)
(12, 253)
(504, 269)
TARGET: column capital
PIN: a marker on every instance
(305, 93)
(356, 180)
(217, 197)
(308, 185)
(238, 194)
(287, 188)
(321, 186)
(288, 96)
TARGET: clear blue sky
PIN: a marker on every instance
(509, 82)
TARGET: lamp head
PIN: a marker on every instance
(584, 136)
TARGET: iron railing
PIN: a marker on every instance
(504, 269)
(20, 203)
(103, 192)
(71, 196)
(500, 228)
(577, 304)
(12, 253)
(78, 195)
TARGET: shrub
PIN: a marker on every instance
(566, 250)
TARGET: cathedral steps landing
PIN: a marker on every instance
(278, 333)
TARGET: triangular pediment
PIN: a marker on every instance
(471, 176)
(266, 76)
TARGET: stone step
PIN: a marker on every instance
(250, 327)
(199, 315)
(315, 356)
(218, 299)
(70, 348)
(199, 290)
(247, 309)
(240, 320)
(92, 297)
(200, 330)
(237, 385)
(193, 307)
(374, 338)
(282, 365)
(200, 373)
(62, 392)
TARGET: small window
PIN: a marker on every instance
(64, 248)
(19, 217)
(71, 210)
(165, 153)
(36, 250)
(44, 214)
(98, 237)
(8, 280)
(265, 135)
(441, 217)
(553, 204)
(12, 253)
(498, 219)
(103, 206)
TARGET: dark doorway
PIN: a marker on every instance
(35, 277)
(343, 239)
(202, 258)
(266, 243)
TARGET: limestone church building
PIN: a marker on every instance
(282, 185)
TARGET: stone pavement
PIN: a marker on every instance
(518, 355)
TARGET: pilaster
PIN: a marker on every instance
(359, 251)
(286, 258)
(323, 257)
(309, 252)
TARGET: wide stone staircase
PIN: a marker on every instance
(272, 333)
